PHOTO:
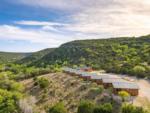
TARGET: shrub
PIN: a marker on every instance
(86, 107)
(97, 90)
(139, 71)
(105, 108)
(8, 101)
(58, 108)
(11, 85)
(42, 82)
(123, 95)
(128, 108)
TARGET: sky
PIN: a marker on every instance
(32, 25)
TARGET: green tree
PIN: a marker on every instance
(42, 82)
(123, 95)
(58, 108)
(105, 108)
(139, 71)
(129, 108)
(86, 107)
(8, 101)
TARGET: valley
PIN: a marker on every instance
(72, 89)
(39, 85)
(68, 89)
(74, 56)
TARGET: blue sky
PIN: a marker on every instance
(32, 25)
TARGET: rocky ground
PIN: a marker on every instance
(66, 88)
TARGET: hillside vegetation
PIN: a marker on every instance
(64, 88)
(6, 57)
(23, 91)
(118, 55)
(37, 85)
(35, 56)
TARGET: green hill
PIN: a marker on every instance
(127, 55)
(6, 57)
(35, 56)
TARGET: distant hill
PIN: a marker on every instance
(6, 57)
(100, 51)
(34, 57)
(126, 55)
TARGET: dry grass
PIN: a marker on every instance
(66, 88)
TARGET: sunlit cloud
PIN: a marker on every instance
(87, 19)
(38, 23)
(31, 35)
(111, 17)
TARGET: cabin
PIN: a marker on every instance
(87, 69)
(69, 70)
(73, 72)
(87, 75)
(98, 78)
(130, 87)
(66, 70)
(107, 82)
(78, 73)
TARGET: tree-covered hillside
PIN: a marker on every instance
(127, 55)
(6, 57)
(35, 56)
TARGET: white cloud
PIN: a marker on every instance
(38, 23)
(39, 36)
(45, 25)
(32, 35)
(107, 17)
(81, 4)
(114, 18)
(90, 19)
(57, 4)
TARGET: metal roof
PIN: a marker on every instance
(125, 85)
(86, 74)
(112, 80)
(97, 77)
(109, 74)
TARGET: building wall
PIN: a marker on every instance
(132, 92)
(99, 81)
(87, 70)
(86, 77)
(107, 85)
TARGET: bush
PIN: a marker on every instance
(11, 85)
(105, 108)
(42, 82)
(123, 95)
(128, 108)
(8, 101)
(97, 90)
(86, 107)
(139, 71)
(58, 108)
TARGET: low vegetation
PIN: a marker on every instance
(58, 108)
(35, 56)
(53, 93)
(126, 55)
(42, 82)
(7, 57)
(128, 108)
(12, 93)
(86, 107)
(18, 72)
(104, 108)
(60, 93)
(124, 95)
